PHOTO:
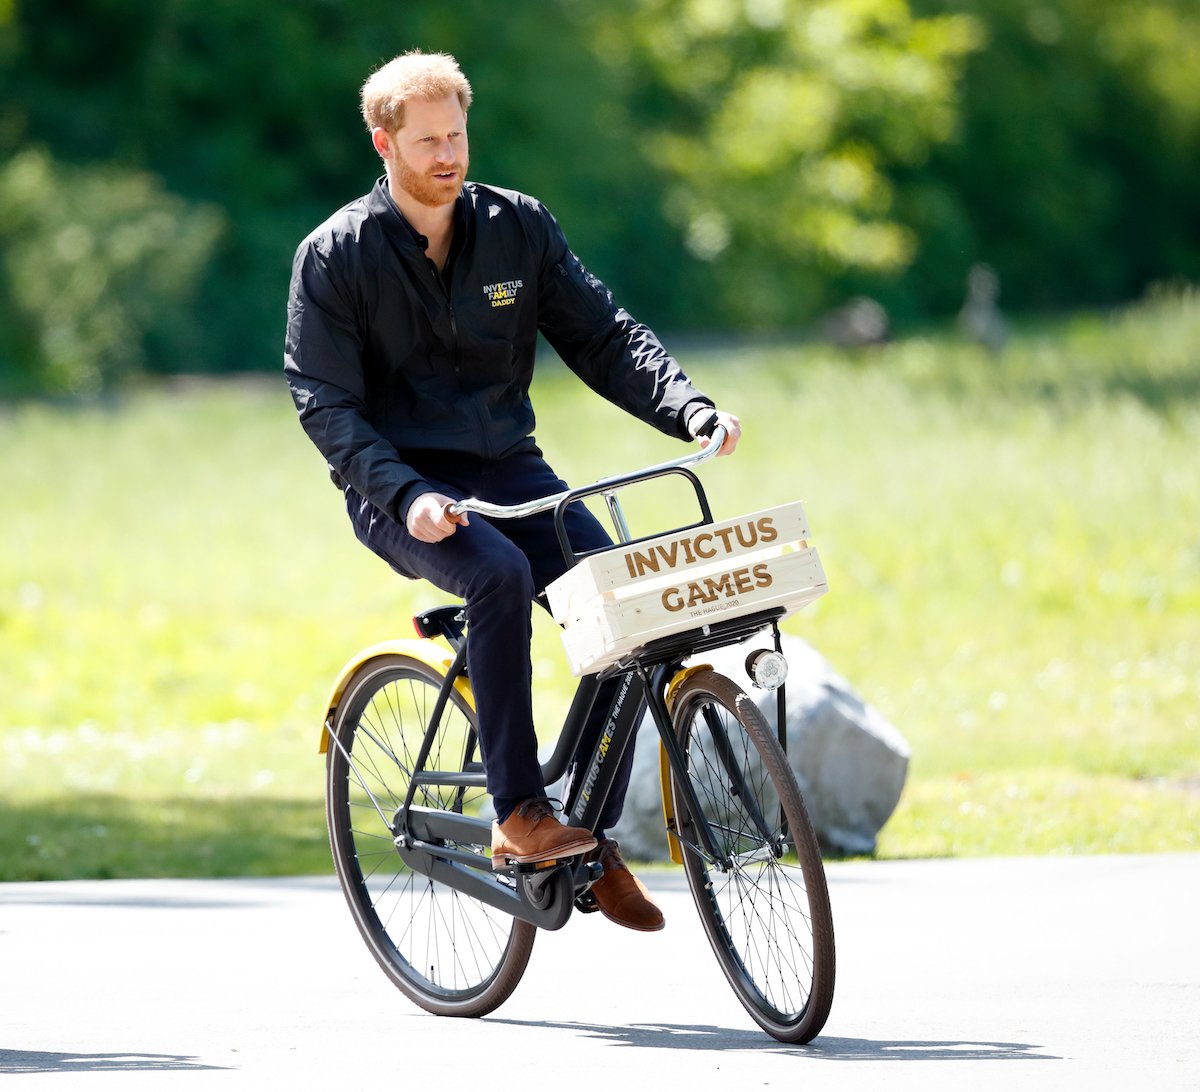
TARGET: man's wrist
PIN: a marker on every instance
(408, 497)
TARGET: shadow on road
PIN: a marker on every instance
(711, 1037)
(920, 1050)
(43, 1061)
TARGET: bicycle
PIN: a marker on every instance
(453, 929)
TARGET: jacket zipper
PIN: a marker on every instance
(484, 432)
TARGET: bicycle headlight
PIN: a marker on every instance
(766, 668)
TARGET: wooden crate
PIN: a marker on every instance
(613, 603)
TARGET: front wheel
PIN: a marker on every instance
(762, 896)
(451, 954)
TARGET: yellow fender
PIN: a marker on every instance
(427, 652)
(664, 767)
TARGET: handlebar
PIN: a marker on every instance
(532, 507)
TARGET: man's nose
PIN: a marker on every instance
(444, 152)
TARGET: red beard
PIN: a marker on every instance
(427, 188)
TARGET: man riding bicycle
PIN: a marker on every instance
(413, 319)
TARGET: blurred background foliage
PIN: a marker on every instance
(731, 165)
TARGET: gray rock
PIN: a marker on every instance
(850, 762)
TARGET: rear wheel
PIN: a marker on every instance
(450, 953)
(764, 900)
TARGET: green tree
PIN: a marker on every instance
(1074, 170)
(779, 125)
(94, 264)
(720, 163)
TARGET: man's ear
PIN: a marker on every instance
(382, 142)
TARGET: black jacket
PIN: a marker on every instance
(386, 357)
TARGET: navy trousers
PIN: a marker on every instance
(498, 568)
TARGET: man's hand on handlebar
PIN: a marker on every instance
(704, 419)
(429, 518)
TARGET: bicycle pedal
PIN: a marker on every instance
(586, 903)
(535, 866)
(506, 864)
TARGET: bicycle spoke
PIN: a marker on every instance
(446, 950)
(756, 902)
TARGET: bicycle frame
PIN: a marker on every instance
(545, 896)
(542, 895)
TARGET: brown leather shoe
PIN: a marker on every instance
(620, 895)
(532, 834)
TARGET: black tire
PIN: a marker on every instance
(767, 916)
(450, 953)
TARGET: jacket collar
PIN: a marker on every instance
(382, 205)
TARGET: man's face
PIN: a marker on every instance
(428, 155)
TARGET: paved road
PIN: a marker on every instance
(1067, 973)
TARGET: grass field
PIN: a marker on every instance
(1012, 544)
